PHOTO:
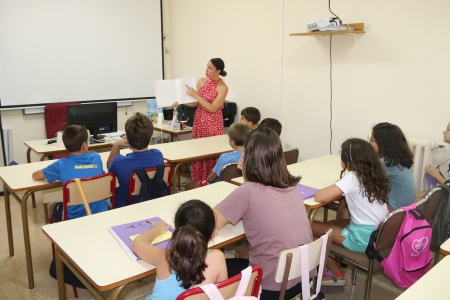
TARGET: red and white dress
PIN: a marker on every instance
(206, 124)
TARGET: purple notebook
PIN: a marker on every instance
(307, 191)
(123, 232)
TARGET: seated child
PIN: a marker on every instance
(237, 134)
(138, 130)
(250, 116)
(366, 188)
(435, 172)
(79, 164)
(271, 123)
(186, 262)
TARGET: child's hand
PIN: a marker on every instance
(123, 142)
(432, 171)
(160, 226)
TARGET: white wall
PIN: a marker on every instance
(396, 72)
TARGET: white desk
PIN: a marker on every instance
(432, 285)
(18, 179)
(42, 148)
(174, 134)
(318, 172)
(445, 247)
(192, 150)
(100, 260)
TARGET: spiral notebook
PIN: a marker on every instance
(307, 191)
(126, 233)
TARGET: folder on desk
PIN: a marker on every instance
(125, 234)
(307, 191)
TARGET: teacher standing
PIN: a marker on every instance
(208, 118)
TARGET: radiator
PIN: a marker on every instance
(424, 152)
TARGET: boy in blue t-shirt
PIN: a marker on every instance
(138, 130)
(237, 134)
(79, 164)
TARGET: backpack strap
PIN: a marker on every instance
(142, 175)
(371, 252)
(245, 279)
(159, 178)
(211, 291)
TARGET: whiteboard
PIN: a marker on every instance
(79, 50)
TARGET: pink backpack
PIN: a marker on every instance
(410, 256)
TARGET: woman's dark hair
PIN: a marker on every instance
(360, 157)
(392, 145)
(264, 160)
(74, 136)
(220, 65)
(194, 226)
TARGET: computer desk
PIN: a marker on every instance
(96, 258)
(319, 172)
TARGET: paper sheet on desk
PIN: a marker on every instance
(307, 191)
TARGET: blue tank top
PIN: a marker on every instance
(168, 289)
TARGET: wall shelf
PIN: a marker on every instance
(359, 29)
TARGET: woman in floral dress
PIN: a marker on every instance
(208, 118)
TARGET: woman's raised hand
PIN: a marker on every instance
(191, 91)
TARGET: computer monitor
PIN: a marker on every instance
(98, 118)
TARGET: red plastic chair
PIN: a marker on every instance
(135, 184)
(55, 115)
(228, 287)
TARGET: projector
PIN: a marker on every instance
(314, 25)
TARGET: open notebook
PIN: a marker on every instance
(126, 233)
(307, 191)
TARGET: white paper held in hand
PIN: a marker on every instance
(173, 90)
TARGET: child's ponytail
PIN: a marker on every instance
(195, 223)
(187, 254)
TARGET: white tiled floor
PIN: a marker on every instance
(13, 275)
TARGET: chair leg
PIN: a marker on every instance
(354, 276)
(369, 280)
(436, 257)
(325, 214)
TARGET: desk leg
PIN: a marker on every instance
(60, 275)
(26, 238)
(116, 292)
(312, 214)
(8, 221)
(28, 155)
(176, 177)
(175, 138)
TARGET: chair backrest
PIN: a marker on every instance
(95, 188)
(429, 204)
(56, 117)
(291, 156)
(229, 171)
(295, 261)
(228, 287)
(388, 231)
(135, 184)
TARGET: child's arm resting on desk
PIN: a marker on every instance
(143, 247)
(328, 194)
(38, 175)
